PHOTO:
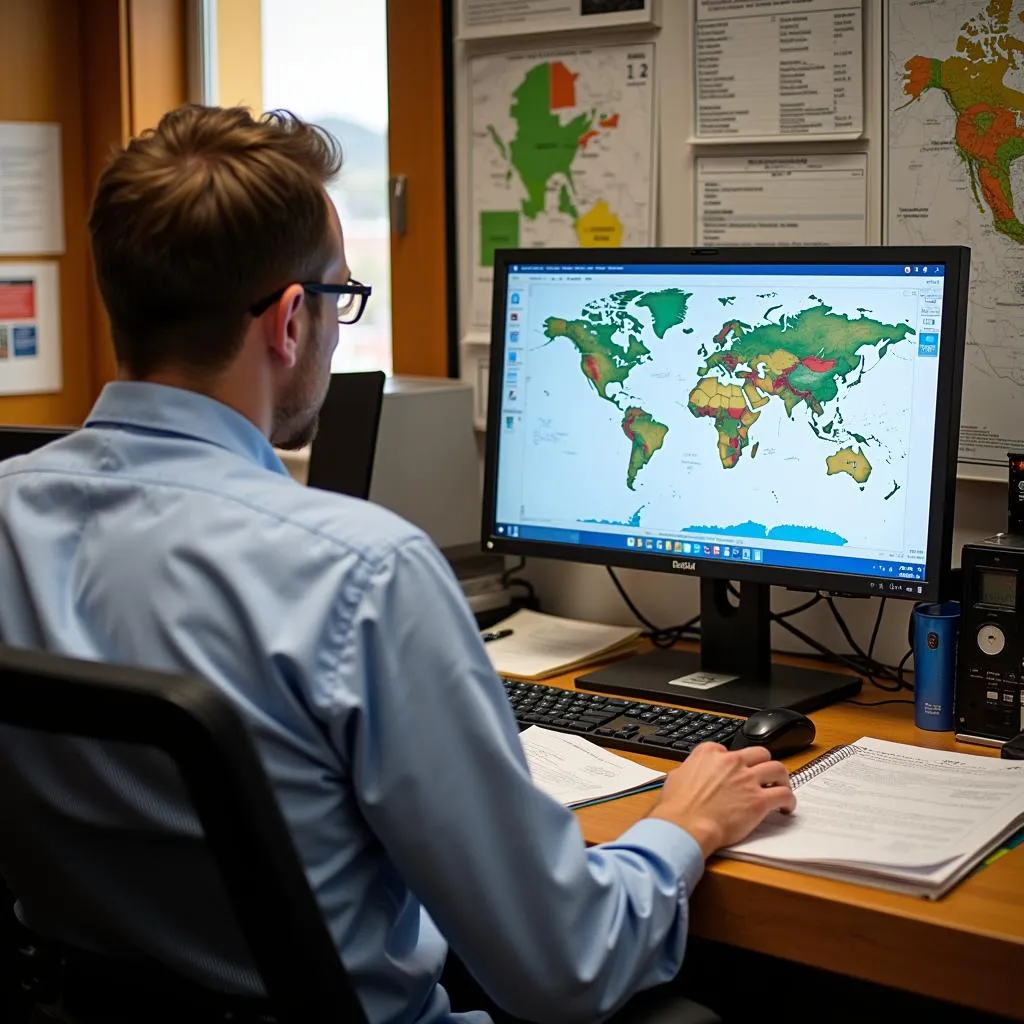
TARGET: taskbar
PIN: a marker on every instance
(891, 576)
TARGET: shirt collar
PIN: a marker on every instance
(160, 409)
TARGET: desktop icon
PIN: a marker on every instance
(513, 357)
(746, 554)
(650, 544)
(678, 546)
(515, 299)
(758, 556)
(716, 550)
(686, 549)
(510, 422)
(513, 336)
(707, 549)
(629, 542)
(513, 316)
(658, 545)
(501, 529)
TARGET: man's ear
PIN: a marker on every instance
(287, 326)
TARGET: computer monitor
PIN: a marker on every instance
(342, 453)
(774, 417)
(23, 440)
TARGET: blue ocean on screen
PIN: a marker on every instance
(786, 532)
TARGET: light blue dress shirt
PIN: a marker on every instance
(168, 534)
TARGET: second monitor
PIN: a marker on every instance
(782, 417)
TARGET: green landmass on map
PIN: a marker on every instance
(646, 435)
(550, 132)
(667, 308)
(543, 146)
(989, 132)
(799, 361)
(609, 339)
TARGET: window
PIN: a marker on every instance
(327, 61)
(373, 72)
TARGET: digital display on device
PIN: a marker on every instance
(997, 589)
(775, 415)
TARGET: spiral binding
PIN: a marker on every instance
(822, 763)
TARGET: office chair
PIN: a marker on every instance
(199, 730)
(192, 723)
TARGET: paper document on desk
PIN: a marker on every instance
(542, 645)
(575, 771)
(892, 815)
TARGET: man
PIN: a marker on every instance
(168, 534)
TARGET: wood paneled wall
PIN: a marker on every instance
(102, 70)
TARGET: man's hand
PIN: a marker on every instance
(720, 796)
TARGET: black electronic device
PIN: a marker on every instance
(988, 706)
(632, 390)
(341, 456)
(1015, 495)
(23, 440)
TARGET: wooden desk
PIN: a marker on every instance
(967, 948)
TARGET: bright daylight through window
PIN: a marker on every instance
(326, 60)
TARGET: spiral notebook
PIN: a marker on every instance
(892, 816)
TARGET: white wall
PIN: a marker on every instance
(586, 591)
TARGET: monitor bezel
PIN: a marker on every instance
(938, 567)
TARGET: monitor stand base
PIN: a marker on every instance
(661, 675)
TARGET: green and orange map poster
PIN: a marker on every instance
(776, 410)
(955, 126)
(562, 153)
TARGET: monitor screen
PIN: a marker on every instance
(787, 416)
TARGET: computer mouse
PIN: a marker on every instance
(782, 730)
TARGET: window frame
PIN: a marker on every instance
(420, 147)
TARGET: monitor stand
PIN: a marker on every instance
(733, 673)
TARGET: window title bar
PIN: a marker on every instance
(914, 270)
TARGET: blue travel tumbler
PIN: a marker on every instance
(935, 629)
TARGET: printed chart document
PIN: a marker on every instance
(893, 816)
(771, 69)
(782, 200)
(563, 153)
(544, 645)
(575, 771)
(31, 193)
(482, 19)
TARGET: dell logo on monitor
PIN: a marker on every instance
(684, 566)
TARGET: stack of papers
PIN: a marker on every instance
(893, 816)
(546, 645)
(577, 772)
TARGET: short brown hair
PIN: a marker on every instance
(195, 220)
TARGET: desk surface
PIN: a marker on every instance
(967, 947)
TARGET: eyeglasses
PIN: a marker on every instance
(351, 297)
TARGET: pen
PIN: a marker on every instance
(499, 635)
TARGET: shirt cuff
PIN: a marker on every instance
(670, 842)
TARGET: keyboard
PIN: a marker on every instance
(615, 722)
